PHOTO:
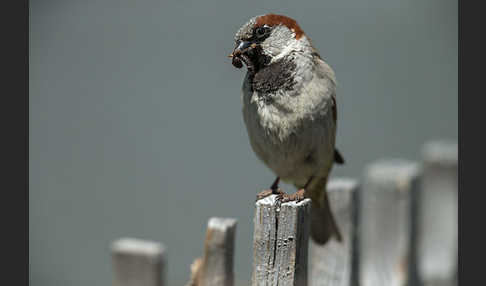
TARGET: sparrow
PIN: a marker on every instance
(289, 110)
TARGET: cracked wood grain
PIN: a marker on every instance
(280, 243)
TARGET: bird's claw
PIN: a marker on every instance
(297, 196)
(263, 194)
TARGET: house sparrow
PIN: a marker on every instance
(289, 109)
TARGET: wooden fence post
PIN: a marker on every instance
(334, 264)
(438, 220)
(280, 243)
(138, 262)
(388, 223)
(217, 263)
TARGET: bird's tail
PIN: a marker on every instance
(323, 224)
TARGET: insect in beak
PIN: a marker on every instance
(240, 54)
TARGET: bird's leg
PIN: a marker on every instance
(274, 186)
(298, 196)
(274, 190)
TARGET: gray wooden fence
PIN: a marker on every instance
(399, 225)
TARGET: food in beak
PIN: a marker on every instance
(236, 61)
(240, 55)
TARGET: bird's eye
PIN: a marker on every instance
(260, 31)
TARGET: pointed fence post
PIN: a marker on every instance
(217, 262)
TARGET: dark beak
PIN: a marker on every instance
(242, 47)
(242, 53)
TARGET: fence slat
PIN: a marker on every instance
(438, 220)
(332, 264)
(217, 263)
(138, 262)
(387, 223)
(280, 243)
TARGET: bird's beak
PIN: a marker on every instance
(242, 47)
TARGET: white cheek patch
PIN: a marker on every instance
(285, 51)
(290, 46)
(282, 41)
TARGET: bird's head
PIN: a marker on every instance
(265, 39)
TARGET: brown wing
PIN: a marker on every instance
(334, 108)
(338, 158)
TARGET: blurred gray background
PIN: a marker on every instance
(136, 126)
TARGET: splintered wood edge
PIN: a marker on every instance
(271, 201)
(195, 270)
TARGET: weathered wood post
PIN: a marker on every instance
(138, 262)
(215, 268)
(438, 220)
(388, 223)
(217, 263)
(280, 243)
(334, 264)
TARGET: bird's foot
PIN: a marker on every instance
(295, 197)
(268, 192)
(274, 190)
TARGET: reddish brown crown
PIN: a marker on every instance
(274, 20)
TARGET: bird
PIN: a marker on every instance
(290, 113)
